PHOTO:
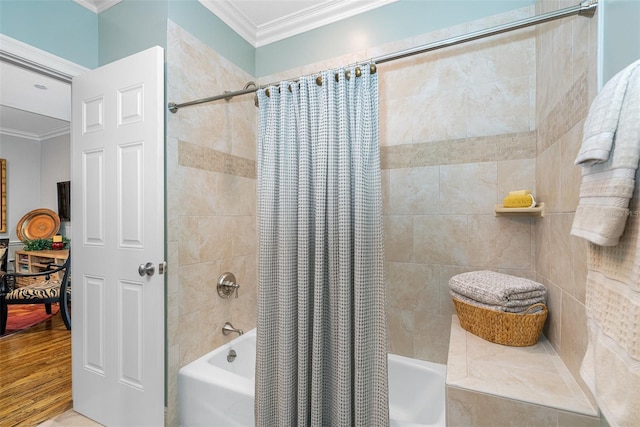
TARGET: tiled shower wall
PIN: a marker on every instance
(566, 74)
(457, 133)
(211, 199)
(460, 127)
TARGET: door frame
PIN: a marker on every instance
(30, 57)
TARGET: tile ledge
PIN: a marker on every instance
(460, 374)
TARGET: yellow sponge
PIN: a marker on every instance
(519, 192)
(523, 201)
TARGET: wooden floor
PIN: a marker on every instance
(35, 374)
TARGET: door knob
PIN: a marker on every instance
(147, 269)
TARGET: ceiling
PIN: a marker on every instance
(37, 107)
(33, 106)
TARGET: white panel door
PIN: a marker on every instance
(117, 252)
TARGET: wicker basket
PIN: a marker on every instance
(518, 330)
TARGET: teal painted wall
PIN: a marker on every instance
(619, 36)
(61, 27)
(130, 27)
(203, 24)
(395, 21)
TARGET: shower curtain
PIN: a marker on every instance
(321, 327)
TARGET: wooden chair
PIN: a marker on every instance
(44, 288)
(4, 254)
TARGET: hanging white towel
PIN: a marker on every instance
(611, 365)
(609, 155)
(602, 120)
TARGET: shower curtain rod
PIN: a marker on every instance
(585, 8)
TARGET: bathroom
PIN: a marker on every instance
(459, 127)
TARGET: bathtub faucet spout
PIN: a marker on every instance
(228, 328)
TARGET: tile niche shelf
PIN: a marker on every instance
(536, 211)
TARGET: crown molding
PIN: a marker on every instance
(296, 23)
(65, 130)
(97, 6)
(235, 19)
(312, 18)
(30, 57)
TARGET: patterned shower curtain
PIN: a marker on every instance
(321, 332)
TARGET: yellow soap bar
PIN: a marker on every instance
(519, 193)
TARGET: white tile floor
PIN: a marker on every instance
(70, 419)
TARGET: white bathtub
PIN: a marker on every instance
(214, 392)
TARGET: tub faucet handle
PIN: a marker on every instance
(227, 285)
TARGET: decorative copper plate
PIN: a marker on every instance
(38, 224)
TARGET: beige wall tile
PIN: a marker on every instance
(441, 239)
(569, 419)
(500, 242)
(516, 54)
(386, 190)
(553, 325)
(467, 65)
(404, 79)
(574, 334)
(173, 319)
(244, 234)
(400, 331)
(515, 175)
(435, 116)
(193, 340)
(414, 191)
(216, 236)
(236, 195)
(195, 196)
(499, 107)
(431, 336)
(468, 188)
(244, 119)
(488, 148)
(398, 238)
(173, 215)
(548, 178)
(516, 146)
(559, 252)
(412, 286)
(579, 267)
(198, 286)
(465, 408)
(543, 235)
(570, 174)
(173, 357)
